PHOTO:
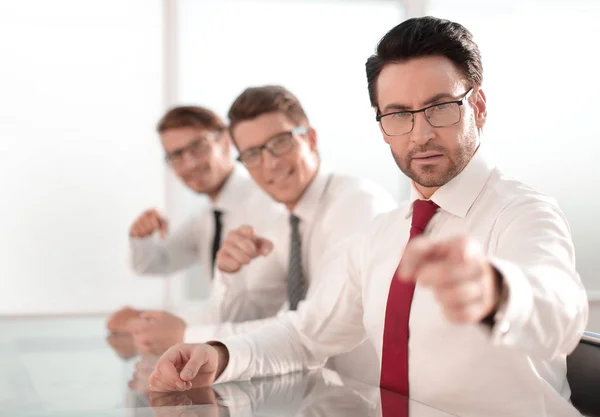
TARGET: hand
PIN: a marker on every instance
(123, 344)
(239, 247)
(149, 222)
(120, 322)
(156, 331)
(187, 366)
(458, 273)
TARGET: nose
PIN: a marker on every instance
(422, 131)
(269, 161)
(189, 161)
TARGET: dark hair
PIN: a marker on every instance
(190, 116)
(256, 101)
(426, 36)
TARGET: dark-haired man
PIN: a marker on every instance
(497, 305)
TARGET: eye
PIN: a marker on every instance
(250, 153)
(176, 154)
(442, 106)
(279, 141)
(401, 115)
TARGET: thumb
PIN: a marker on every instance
(246, 230)
(163, 228)
(151, 315)
(263, 246)
(197, 360)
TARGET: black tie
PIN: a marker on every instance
(217, 238)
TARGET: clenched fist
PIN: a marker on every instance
(149, 222)
(156, 331)
(239, 247)
(121, 321)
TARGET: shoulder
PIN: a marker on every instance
(510, 192)
(345, 189)
(510, 199)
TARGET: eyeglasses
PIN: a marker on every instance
(438, 115)
(277, 146)
(197, 148)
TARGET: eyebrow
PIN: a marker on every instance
(400, 107)
(194, 140)
(268, 139)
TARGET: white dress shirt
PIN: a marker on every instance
(332, 210)
(242, 202)
(516, 368)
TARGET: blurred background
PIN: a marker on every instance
(83, 83)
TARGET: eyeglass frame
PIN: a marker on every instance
(298, 130)
(460, 102)
(212, 136)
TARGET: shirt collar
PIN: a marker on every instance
(231, 193)
(307, 207)
(458, 195)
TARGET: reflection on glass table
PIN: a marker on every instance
(320, 392)
(71, 367)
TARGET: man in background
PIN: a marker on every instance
(198, 149)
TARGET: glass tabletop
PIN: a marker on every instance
(72, 367)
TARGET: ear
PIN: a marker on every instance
(478, 100)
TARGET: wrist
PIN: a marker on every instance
(222, 355)
(500, 296)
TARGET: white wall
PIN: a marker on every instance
(80, 93)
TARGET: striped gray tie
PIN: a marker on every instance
(296, 284)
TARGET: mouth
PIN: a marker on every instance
(199, 174)
(281, 178)
(427, 157)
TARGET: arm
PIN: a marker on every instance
(179, 250)
(239, 301)
(326, 324)
(546, 310)
(329, 323)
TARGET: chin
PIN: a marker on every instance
(283, 197)
(198, 188)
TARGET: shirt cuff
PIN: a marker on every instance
(199, 333)
(513, 315)
(240, 354)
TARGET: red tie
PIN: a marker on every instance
(394, 360)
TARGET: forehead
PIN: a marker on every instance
(411, 83)
(257, 131)
(179, 137)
